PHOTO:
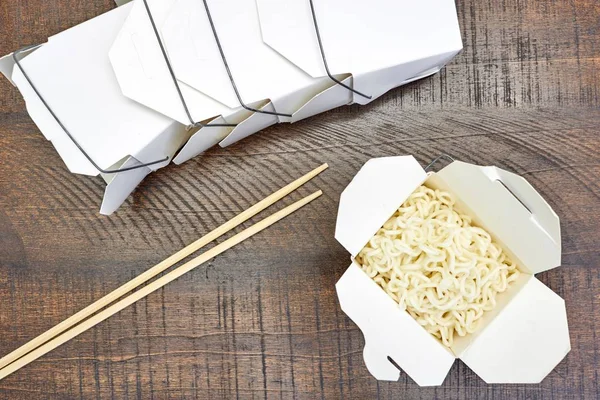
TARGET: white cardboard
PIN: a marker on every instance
(120, 186)
(521, 340)
(333, 97)
(382, 43)
(378, 315)
(83, 93)
(254, 123)
(246, 123)
(390, 180)
(73, 73)
(259, 72)
(525, 341)
(499, 211)
(7, 64)
(144, 76)
(203, 139)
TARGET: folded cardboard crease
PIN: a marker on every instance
(521, 340)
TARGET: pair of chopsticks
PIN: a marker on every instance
(91, 315)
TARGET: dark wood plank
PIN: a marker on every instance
(263, 321)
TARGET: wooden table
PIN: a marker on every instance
(263, 320)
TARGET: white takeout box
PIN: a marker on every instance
(382, 43)
(521, 340)
(74, 75)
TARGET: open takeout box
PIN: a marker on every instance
(521, 340)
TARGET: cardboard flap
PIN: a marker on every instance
(254, 123)
(6, 67)
(85, 96)
(543, 214)
(203, 139)
(525, 341)
(259, 72)
(377, 190)
(333, 96)
(531, 235)
(143, 74)
(121, 186)
(429, 28)
(391, 332)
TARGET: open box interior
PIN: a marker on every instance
(434, 181)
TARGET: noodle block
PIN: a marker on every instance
(443, 267)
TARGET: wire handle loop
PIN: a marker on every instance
(314, 17)
(438, 158)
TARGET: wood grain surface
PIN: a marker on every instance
(263, 321)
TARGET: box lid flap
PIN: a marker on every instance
(391, 332)
(377, 190)
(531, 234)
(525, 341)
(121, 185)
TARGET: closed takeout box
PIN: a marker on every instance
(521, 340)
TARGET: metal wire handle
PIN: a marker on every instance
(314, 17)
(235, 89)
(60, 123)
(446, 156)
(193, 124)
(438, 158)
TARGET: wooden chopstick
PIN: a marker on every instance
(157, 284)
(158, 268)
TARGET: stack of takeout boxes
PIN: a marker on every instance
(109, 84)
(521, 340)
